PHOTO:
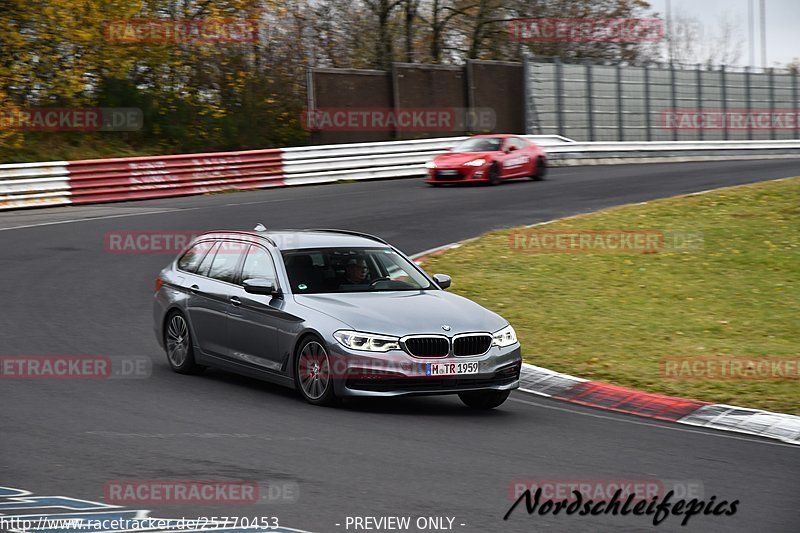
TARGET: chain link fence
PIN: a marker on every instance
(602, 102)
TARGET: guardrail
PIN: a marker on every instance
(136, 178)
(609, 153)
(320, 164)
(133, 178)
(33, 184)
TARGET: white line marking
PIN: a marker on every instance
(165, 211)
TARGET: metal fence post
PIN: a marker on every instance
(647, 103)
(395, 101)
(560, 95)
(772, 103)
(699, 84)
(589, 100)
(724, 86)
(470, 96)
(310, 89)
(749, 102)
(310, 103)
(796, 110)
(527, 92)
(620, 122)
(674, 97)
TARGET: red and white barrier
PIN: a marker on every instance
(137, 178)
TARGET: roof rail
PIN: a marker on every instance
(350, 232)
(242, 232)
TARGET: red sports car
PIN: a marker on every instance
(489, 159)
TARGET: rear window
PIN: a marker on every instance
(205, 264)
(192, 258)
(226, 260)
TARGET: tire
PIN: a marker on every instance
(178, 345)
(541, 169)
(494, 175)
(484, 399)
(312, 373)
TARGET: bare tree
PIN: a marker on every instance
(689, 42)
(382, 10)
(411, 10)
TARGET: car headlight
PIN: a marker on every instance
(430, 164)
(475, 163)
(369, 342)
(505, 337)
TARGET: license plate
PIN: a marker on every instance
(451, 369)
(448, 172)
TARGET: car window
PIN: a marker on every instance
(205, 265)
(393, 271)
(223, 267)
(258, 264)
(480, 144)
(192, 258)
(516, 142)
(332, 270)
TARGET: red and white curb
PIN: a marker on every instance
(544, 382)
(551, 384)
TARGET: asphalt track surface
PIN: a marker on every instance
(63, 294)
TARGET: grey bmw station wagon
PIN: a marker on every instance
(330, 313)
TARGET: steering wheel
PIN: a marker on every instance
(375, 281)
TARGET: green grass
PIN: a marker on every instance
(616, 317)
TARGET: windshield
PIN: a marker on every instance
(332, 270)
(480, 144)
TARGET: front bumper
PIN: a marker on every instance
(463, 175)
(397, 373)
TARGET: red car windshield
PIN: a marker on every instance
(480, 144)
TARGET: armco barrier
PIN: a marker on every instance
(34, 184)
(319, 164)
(614, 153)
(137, 178)
(134, 178)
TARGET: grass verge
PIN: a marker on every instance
(622, 317)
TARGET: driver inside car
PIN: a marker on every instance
(355, 272)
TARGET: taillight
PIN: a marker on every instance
(159, 283)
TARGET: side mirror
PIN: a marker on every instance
(510, 148)
(442, 280)
(264, 286)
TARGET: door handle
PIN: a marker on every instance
(195, 289)
(235, 301)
